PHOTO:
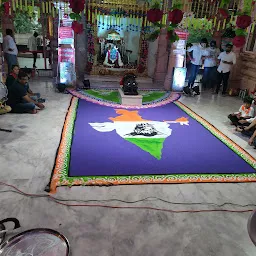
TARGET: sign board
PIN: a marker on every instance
(178, 79)
(66, 54)
(66, 35)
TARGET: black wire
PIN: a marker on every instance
(128, 202)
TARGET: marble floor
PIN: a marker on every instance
(26, 160)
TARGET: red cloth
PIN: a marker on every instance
(122, 81)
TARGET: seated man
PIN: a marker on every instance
(19, 100)
(34, 96)
(249, 131)
(11, 78)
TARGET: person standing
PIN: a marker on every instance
(32, 46)
(210, 65)
(10, 50)
(227, 60)
(196, 62)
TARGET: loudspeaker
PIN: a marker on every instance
(61, 87)
(87, 84)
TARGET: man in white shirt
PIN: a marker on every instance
(10, 50)
(210, 65)
(227, 60)
(196, 62)
(32, 46)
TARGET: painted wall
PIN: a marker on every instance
(128, 28)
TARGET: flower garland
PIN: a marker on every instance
(90, 50)
(77, 7)
(143, 55)
(243, 20)
(155, 15)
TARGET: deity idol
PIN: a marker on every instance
(113, 57)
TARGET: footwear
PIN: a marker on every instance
(40, 100)
(187, 91)
(196, 90)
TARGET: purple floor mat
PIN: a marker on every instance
(189, 149)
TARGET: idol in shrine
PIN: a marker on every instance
(113, 57)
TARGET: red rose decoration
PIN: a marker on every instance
(77, 27)
(141, 69)
(7, 8)
(77, 6)
(239, 41)
(243, 21)
(154, 15)
(224, 13)
(175, 16)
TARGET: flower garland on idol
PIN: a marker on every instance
(77, 7)
(155, 16)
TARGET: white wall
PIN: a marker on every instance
(131, 38)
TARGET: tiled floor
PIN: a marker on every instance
(26, 160)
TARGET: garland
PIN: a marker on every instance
(120, 12)
(243, 20)
(143, 55)
(155, 15)
(77, 7)
(90, 50)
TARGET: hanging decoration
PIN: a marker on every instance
(223, 13)
(77, 7)
(90, 50)
(77, 27)
(5, 8)
(155, 15)
(143, 55)
(243, 21)
(175, 16)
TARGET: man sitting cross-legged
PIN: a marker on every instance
(18, 98)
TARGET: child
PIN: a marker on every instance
(247, 122)
(246, 111)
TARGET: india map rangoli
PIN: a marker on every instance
(148, 135)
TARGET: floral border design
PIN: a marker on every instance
(161, 102)
(61, 167)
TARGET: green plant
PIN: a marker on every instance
(195, 35)
(26, 23)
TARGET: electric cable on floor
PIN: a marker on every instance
(62, 202)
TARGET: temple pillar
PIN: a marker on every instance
(152, 53)
(81, 51)
(176, 58)
(161, 58)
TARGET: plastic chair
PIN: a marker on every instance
(251, 226)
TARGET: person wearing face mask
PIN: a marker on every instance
(196, 61)
(227, 59)
(210, 65)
